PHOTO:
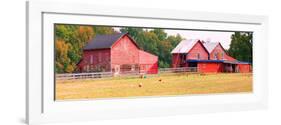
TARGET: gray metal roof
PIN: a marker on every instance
(210, 46)
(103, 41)
(184, 46)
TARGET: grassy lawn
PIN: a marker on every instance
(165, 84)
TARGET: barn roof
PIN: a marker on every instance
(210, 46)
(103, 41)
(184, 46)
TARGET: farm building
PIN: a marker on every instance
(116, 53)
(206, 57)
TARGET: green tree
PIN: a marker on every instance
(175, 40)
(165, 48)
(62, 60)
(103, 30)
(160, 33)
(241, 46)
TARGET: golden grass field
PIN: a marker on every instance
(159, 85)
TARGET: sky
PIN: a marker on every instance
(212, 36)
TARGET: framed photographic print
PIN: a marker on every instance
(90, 62)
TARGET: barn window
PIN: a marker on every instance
(216, 55)
(222, 56)
(198, 55)
(88, 68)
(91, 59)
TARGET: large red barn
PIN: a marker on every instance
(206, 57)
(116, 53)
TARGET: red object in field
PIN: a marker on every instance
(117, 53)
(206, 57)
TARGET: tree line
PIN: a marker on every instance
(70, 40)
(241, 46)
(69, 43)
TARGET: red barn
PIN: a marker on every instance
(116, 53)
(206, 57)
(188, 50)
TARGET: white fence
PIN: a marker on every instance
(181, 69)
(95, 75)
(98, 75)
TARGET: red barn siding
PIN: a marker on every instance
(95, 60)
(124, 51)
(198, 48)
(210, 67)
(219, 51)
(225, 62)
(175, 60)
(244, 68)
(122, 56)
(148, 62)
(178, 60)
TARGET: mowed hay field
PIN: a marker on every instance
(159, 85)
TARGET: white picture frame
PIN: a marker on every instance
(41, 107)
